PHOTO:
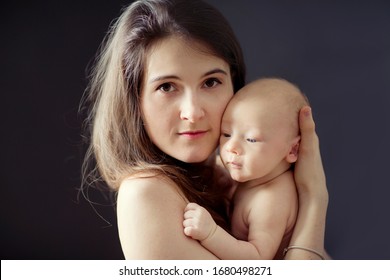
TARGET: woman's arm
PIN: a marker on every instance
(150, 217)
(309, 232)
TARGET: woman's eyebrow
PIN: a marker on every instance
(167, 77)
(215, 71)
(160, 78)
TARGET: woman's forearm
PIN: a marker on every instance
(309, 232)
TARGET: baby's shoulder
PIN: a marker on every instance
(281, 186)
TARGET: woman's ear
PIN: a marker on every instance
(292, 155)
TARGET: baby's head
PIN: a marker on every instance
(272, 100)
(260, 131)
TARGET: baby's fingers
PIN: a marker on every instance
(188, 227)
(189, 214)
(191, 206)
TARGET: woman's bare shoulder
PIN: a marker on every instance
(150, 217)
(149, 188)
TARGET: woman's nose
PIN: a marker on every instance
(191, 108)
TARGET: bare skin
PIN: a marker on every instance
(150, 209)
(259, 142)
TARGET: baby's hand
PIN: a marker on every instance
(198, 222)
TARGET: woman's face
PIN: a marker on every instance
(185, 92)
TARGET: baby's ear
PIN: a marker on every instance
(292, 155)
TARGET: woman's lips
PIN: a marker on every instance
(193, 134)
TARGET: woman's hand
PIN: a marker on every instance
(309, 172)
(309, 231)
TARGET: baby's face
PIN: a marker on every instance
(255, 137)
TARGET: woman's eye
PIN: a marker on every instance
(212, 82)
(251, 140)
(166, 87)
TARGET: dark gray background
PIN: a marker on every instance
(338, 52)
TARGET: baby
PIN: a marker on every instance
(258, 146)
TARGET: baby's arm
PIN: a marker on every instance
(198, 222)
(268, 213)
(199, 225)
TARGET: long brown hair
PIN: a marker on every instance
(119, 145)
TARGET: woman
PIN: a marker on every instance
(158, 90)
